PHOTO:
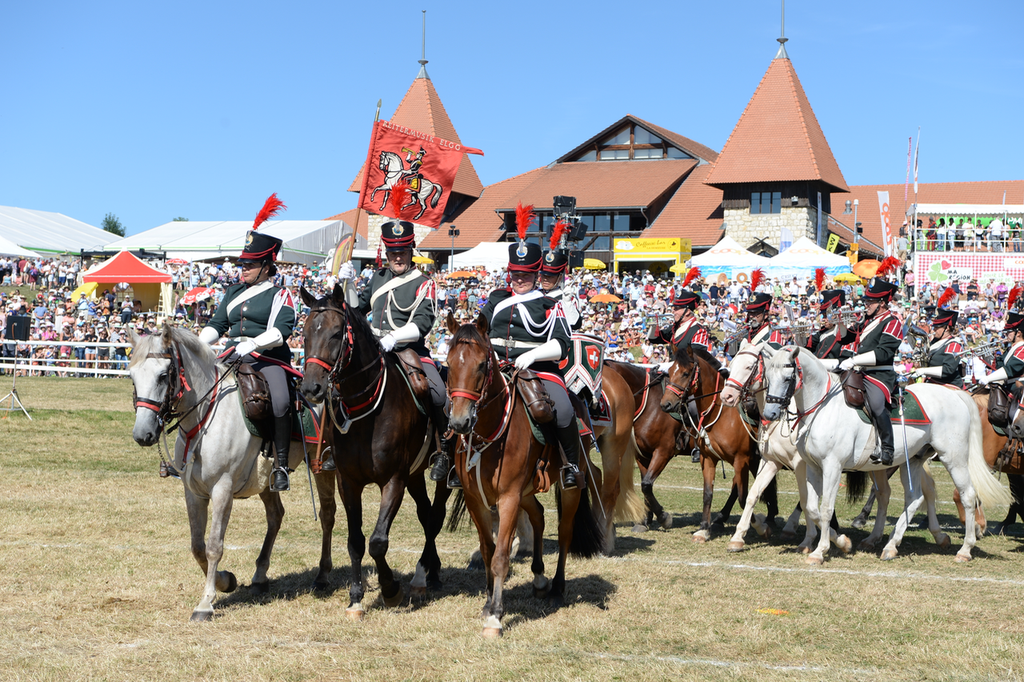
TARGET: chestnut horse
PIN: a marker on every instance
(719, 432)
(378, 436)
(499, 462)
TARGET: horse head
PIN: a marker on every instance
(745, 371)
(781, 378)
(682, 375)
(388, 162)
(1017, 425)
(471, 367)
(152, 377)
(325, 340)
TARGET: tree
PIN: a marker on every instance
(179, 219)
(113, 225)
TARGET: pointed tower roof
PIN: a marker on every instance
(777, 139)
(421, 109)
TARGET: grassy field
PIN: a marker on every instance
(99, 583)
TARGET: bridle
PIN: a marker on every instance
(478, 404)
(176, 387)
(793, 383)
(755, 375)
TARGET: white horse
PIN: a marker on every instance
(778, 447)
(394, 172)
(831, 437)
(174, 373)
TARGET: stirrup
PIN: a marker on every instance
(568, 474)
(453, 480)
(167, 470)
(439, 466)
(695, 455)
(274, 483)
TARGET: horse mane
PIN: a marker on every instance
(467, 333)
(199, 358)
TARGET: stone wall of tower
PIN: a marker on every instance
(747, 228)
(373, 231)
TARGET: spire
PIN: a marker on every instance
(423, 55)
(781, 54)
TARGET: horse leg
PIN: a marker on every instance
(654, 509)
(642, 527)
(220, 506)
(861, 519)
(703, 533)
(482, 519)
(508, 513)
(764, 477)
(570, 504)
(882, 491)
(390, 501)
(815, 501)
(1016, 508)
(351, 499)
(325, 487)
(734, 494)
(535, 514)
(428, 568)
(962, 480)
(928, 490)
(275, 513)
(911, 501)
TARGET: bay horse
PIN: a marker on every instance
(378, 437)
(720, 432)
(658, 439)
(831, 438)
(500, 463)
(177, 376)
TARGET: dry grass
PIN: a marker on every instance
(99, 584)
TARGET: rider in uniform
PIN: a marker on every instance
(1013, 330)
(258, 318)
(528, 328)
(875, 343)
(758, 328)
(945, 349)
(825, 343)
(552, 278)
(403, 302)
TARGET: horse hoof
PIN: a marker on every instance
(805, 550)
(417, 591)
(492, 627)
(866, 545)
(942, 540)
(859, 522)
(889, 554)
(844, 544)
(475, 564)
(555, 601)
(201, 616)
(962, 558)
(434, 584)
(701, 536)
(788, 536)
(665, 520)
(640, 528)
(736, 546)
(814, 560)
(395, 599)
(759, 525)
(263, 588)
(230, 583)
(355, 613)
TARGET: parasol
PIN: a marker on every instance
(593, 264)
(197, 294)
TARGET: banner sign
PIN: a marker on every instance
(427, 164)
(942, 269)
(883, 208)
(833, 242)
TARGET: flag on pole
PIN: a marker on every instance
(426, 163)
(883, 209)
(906, 185)
(917, 151)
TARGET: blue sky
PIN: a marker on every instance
(202, 109)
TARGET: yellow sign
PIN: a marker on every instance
(833, 242)
(664, 245)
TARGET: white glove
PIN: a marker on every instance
(209, 336)
(846, 365)
(245, 348)
(387, 342)
(526, 359)
(347, 271)
(830, 363)
(915, 373)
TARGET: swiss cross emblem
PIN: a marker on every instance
(593, 357)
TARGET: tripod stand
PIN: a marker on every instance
(13, 395)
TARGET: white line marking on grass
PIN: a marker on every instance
(728, 664)
(813, 570)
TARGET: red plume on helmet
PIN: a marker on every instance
(819, 279)
(945, 298)
(524, 218)
(1012, 297)
(691, 274)
(270, 208)
(887, 266)
(560, 229)
(399, 198)
(756, 277)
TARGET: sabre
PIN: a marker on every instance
(903, 423)
(305, 454)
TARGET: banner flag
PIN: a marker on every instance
(426, 163)
(883, 209)
(833, 242)
(906, 185)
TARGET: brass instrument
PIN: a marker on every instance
(984, 350)
(738, 333)
(846, 316)
(656, 321)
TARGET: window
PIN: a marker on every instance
(621, 223)
(641, 136)
(614, 154)
(622, 137)
(674, 153)
(589, 156)
(765, 202)
(602, 223)
(654, 153)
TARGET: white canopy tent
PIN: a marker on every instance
(9, 248)
(802, 258)
(305, 241)
(491, 255)
(729, 258)
(49, 233)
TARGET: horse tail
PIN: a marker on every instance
(458, 511)
(587, 534)
(989, 492)
(856, 486)
(435, 195)
(629, 506)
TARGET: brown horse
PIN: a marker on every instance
(659, 438)
(378, 436)
(500, 463)
(719, 432)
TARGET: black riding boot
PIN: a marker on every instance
(569, 439)
(282, 445)
(691, 409)
(443, 460)
(883, 422)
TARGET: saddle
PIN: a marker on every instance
(998, 407)
(254, 393)
(535, 398)
(853, 388)
(412, 369)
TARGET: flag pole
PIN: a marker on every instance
(355, 228)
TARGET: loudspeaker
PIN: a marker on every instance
(18, 327)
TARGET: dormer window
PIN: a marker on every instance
(632, 142)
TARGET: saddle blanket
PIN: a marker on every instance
(602, 416)
(913, 412)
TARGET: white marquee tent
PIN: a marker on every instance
(305, 241)
(9, 248)
(729, 258)
(491, 255)
(49, 234)
(803, 258)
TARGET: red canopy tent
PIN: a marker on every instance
(146, 280)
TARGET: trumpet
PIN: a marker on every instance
(802, 327)
(845, 316)
(739, 332)
(655, 321)
(984, 350)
